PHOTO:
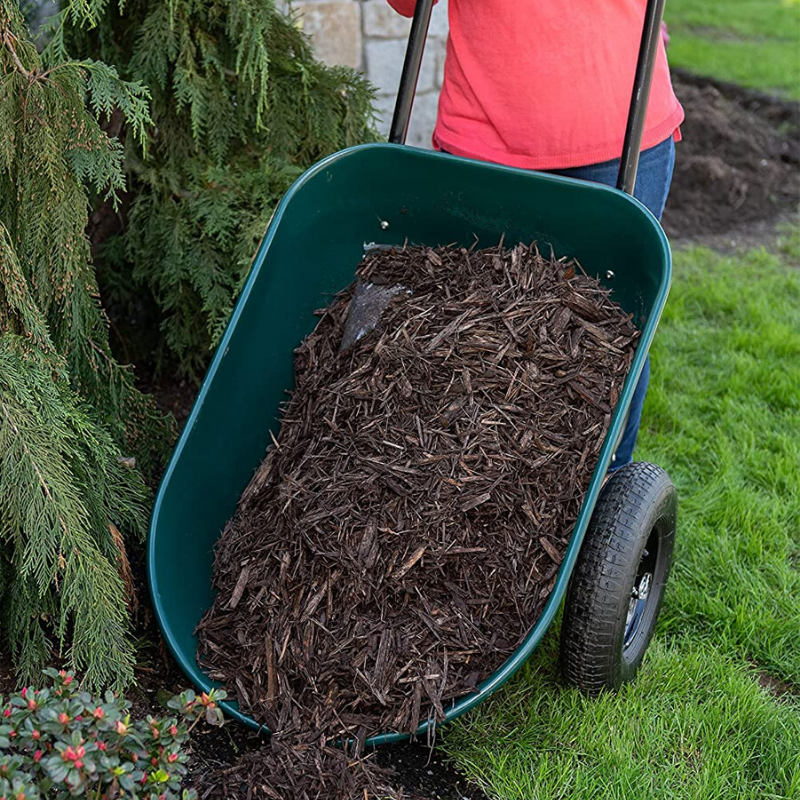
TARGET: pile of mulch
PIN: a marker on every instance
(738, 161)
(406, 528)
(304, 769)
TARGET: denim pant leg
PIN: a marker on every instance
(653, 179)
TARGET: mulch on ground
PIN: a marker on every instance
(407, 525)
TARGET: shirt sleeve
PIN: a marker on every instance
(406, 7)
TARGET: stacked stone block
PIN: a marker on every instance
(369, 35)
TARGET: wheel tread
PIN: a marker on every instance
(591, 639)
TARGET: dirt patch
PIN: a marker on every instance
(779, 689)
(738, 162)
(767, 233)
(422, 770)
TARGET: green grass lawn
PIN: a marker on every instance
(752, 42)
(723, 417)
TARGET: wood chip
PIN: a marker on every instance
(238, 591)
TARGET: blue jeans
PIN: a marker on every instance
(652, 186)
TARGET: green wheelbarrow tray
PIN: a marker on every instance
(378, 194)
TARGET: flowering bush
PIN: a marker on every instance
(61, 742)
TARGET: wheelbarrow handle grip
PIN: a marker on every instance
(410, 74)
(648, 48)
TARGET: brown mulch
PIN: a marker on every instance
(304, 770)
(406, 528)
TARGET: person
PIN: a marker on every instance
(546, 85)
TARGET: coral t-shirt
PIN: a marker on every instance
(546, 84)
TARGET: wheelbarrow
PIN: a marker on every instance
(618, 557)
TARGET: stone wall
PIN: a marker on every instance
(369, 35)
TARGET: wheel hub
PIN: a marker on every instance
(639, 594)
(636, 604)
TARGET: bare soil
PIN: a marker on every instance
(738, 163)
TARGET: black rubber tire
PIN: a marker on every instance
(601, 647)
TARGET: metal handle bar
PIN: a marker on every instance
(410, 74)
(643, 78)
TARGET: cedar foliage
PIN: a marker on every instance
(181, 149)
(240, 108)
(68, 410)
